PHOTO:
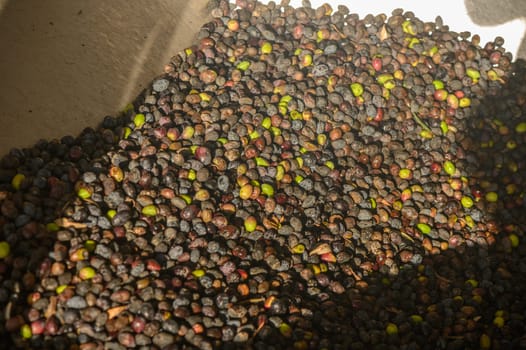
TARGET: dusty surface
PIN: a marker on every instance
(67, 64)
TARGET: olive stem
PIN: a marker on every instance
(420, 122)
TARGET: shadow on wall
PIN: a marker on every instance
(65, 65)
(3, 3)
(491, 13)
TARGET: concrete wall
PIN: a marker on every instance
(66, 64)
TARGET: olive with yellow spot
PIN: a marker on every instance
(391, 329)
(250, 223)
(5, 249)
